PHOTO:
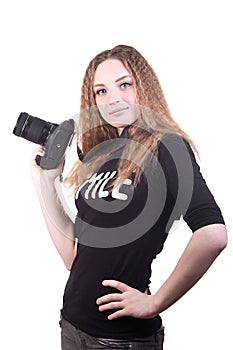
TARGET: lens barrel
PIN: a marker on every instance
(33, 129)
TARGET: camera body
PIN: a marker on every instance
(54, 137)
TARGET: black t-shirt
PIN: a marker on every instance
(121, 231)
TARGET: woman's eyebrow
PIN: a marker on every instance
(124, 76)
(95, 85)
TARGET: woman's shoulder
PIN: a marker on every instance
(173, 138)
(173, 141)
(174, 148)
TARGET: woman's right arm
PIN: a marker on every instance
(60, 226)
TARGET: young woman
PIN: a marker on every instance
(137, 175)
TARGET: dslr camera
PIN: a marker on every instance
(54, 137)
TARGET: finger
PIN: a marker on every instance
(116, 284)
(110, 306)
(39, 148)
(108, 298)
(38, 151)
(117, 314)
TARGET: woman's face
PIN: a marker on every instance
(115, 94)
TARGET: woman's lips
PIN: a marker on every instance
(118, 111)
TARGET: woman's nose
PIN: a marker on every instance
(114, 97)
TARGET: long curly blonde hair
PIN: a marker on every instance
(154, 120)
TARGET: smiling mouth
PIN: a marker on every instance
(118, 111)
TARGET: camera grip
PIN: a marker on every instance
(56, 145)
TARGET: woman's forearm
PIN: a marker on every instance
(201, 251)
(60, 226)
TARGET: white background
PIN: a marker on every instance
(45, 48)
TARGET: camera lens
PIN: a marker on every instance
(33, 129)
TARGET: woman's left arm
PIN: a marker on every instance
(203, 248)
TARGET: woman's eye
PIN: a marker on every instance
(125, 85)
(100, 92)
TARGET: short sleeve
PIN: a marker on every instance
(185, 183)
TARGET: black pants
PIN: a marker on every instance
(75, 339)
